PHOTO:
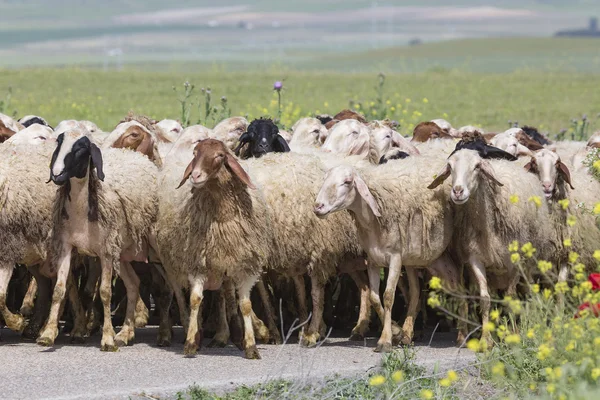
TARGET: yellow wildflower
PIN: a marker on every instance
(586, 286)
(547, 293)
(515, 258)
(495, 315)
(544, 351)
(408, 100)
(567, 242)
(512, 339)
(536, 200)
(597, 208)
(595, 373)
(498, 369)
(452, 375)
(513, 198)
(597, 255)
(596, 164)
(571, 220)
(579, 277)
(326, 104)
(388, 102)
(597, 341)
(445, 382)
(573, 257)
(528, 250)
(514, 246)
(544, 266)
(570, 346)
(435, 283)
(425, 100)
(551, 388)
(426, 394)
(377, 380)
(547, 335)
(535, 288)
(564, 203)
(433, 301)
(398, 376)
(561, 287)
(473, 345)
(532, 386)
(579, 268)
(357, 106)
(489, 327)
(392, 108)
(530, 334)
(501, 332)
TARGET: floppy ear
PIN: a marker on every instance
(564, 172)
(146, 147)
(5, 133)
(523, 151)
(280, 145)
(488, 172)
(359, 149)
(494, 152)
(96, 160)
(237, 169)
(187, 173)
(364, 192)
(441, 177)
(59, 142)
(531, 166)
(245, 138)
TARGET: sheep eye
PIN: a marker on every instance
(41, 137)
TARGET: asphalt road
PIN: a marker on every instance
(69, 371)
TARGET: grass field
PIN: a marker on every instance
(548, 100)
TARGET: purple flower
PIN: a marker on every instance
(278, 85)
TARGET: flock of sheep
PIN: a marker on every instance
(243, 206)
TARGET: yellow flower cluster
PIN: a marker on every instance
(544, 351)
(536, 200)
(528, 250)
(433, 301)
(514, 199)
(435, 283)
(544, 266)
(564, 204)
(450, 378)
(377, 380)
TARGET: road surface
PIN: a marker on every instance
(69, 371)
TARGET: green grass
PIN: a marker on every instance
(547, 100)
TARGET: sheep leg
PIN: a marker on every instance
(385, 341)
(413, 305)
(41, 306)
(274, 335)
(194, 332)
(374, 282)
(90, 295)
(301, 295)
(234, 319)
(311, 335)
(243, 291)
(79, 330)
(222, 335)
(50, 329)
(27, 305)
(364, 315)
(181, 303)
(132, 284)
(478, 270)
(14, 322)
(108, 333)
(163, 303)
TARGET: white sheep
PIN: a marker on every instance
(168, 130)
(399, 223)
(109, 218)
(215, 226)
(348, 137)
(486, 221)
(308, 132)
(508, 142)
(384, 140)
(135, 135)
(8, 127)
(229, 131)
(33, 135)
(184, 145)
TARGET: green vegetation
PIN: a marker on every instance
(549, 101)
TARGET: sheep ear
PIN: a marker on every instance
(187, 173)
(531, 166)
(245, 138)
(488, 172)
(364, 192)
(523, 151)
(97, 160)
(59, 142)
(237, 169)
(564, 172)
(147, 146)
(441, 177)
(281, 145)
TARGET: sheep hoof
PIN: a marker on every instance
(252, 353)
(309, 340)
(26, 310)
(356, 337)
(31, 332)
(77, 339)
(122, 339)
(16, 323)
(215, 343)
(190, 349)
(45, 341)
(406, 340)
(164, 338)
(163, 342)
(276, 339)
(109, 347)
(384, 348)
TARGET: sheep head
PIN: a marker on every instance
(262, 137)
(348, 137)
(229, 130)
(168, 130)
(309, 131)
(134, 136)
(211, 156)
(467, 169)
(510, 144)
(425, 131)
(29, 120)
(341, 189)
(34, 135)
(551, 171)
(74, 154)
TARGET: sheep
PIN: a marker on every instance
(134, 133)
(344, 115)
(29, 120)
(8, 127)
(446, 127)
(25, 215)
(229, 131)
(425, 131)
(308, 132)
(287, 136)
(262, 137)
(399, 222)
(184, 145)
(510, 144)
(33, 135)
(534, 134)
(576, 152)
(168, 130)
(214, 226)
(485, 221)
(558, 183)
(348, 137)
(383, 139)
(109, 217)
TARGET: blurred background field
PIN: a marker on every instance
(478, 62)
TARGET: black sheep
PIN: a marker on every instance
(261, 137)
